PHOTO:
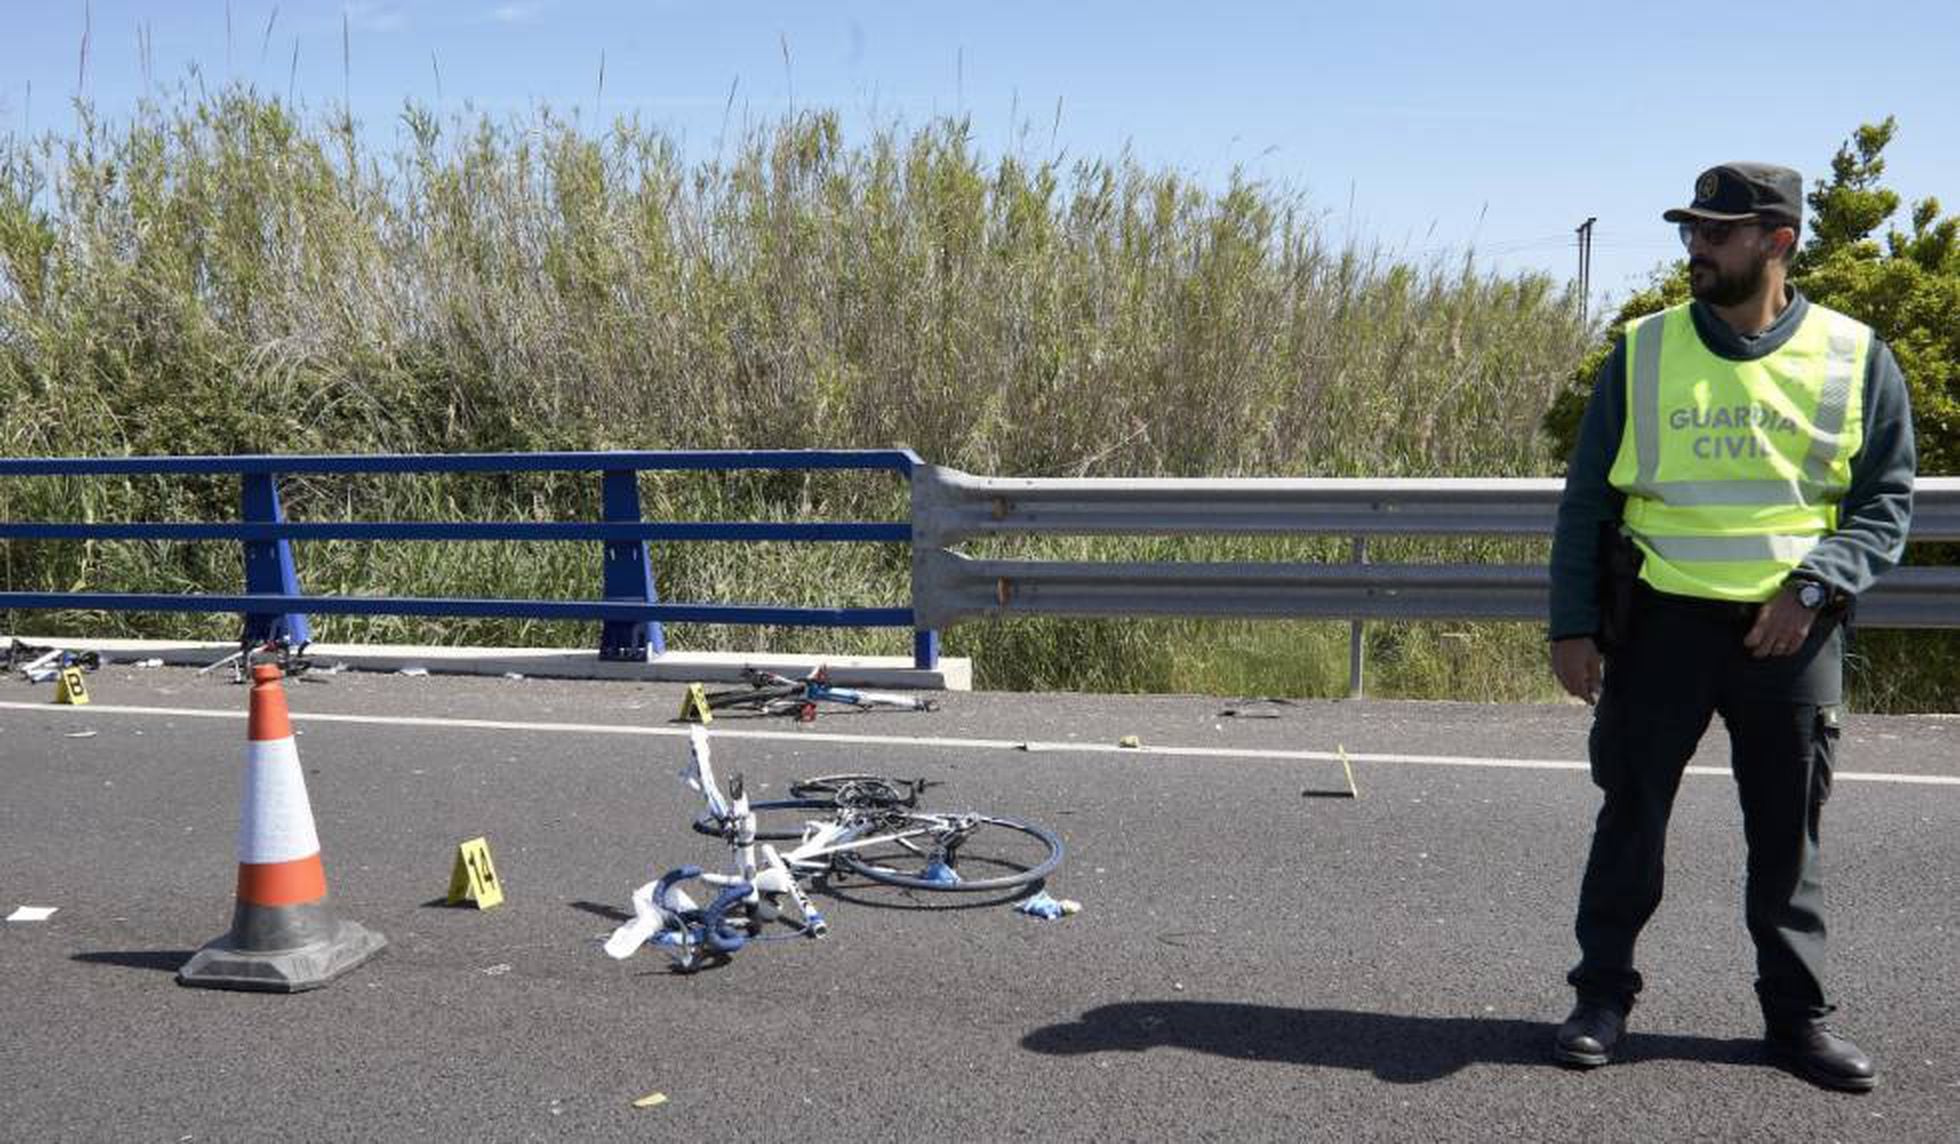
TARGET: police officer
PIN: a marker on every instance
(1751, 455)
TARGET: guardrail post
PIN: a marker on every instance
(629, 574)
(1357, 633)
(923, 481)
(269, 563)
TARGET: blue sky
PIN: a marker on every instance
(1426, 127)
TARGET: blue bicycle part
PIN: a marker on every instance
(715, 931)
(707, 928)
(667, 881)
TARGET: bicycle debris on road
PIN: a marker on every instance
(772, 693)
(868, 826)
(291, 658)
(42, 664)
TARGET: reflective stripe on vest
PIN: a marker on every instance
(1732, 549)
(1733, 470)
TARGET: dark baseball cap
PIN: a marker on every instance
(1734, 192)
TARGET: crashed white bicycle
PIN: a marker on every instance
(842, 825)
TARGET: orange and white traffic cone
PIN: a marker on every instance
(284, 938)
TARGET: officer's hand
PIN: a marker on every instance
(1781, 626)
(1579, 666)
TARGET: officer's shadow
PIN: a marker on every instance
(1398, 1049)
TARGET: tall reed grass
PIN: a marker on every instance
(227, 273)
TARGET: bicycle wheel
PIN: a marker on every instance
(987, 853)
(776, 820)
(862, 790)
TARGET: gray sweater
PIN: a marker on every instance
(1872, 518)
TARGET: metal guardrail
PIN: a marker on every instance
(630, 613)
(947, 508)
(950, 506)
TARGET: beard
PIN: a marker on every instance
(1727, 289)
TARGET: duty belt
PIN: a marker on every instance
(1730, 611)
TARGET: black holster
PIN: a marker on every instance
(1618, 563)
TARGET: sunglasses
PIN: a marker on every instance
(1713, 233)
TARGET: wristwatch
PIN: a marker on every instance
(1811, 595)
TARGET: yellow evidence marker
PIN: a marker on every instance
(694, 706)
(69, 687)
(473, 878)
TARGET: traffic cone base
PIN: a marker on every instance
(284, 938)
(321, 947)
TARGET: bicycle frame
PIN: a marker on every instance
(759, 874)
(821, 839)
(816, 688)
(290, 657)
(857, 828)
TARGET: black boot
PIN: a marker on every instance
(1821, 1056)
(1590, 1033)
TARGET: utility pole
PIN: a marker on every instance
(1585, 266)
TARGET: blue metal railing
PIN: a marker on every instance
(631, 613)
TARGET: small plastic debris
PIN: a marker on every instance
(651, 1100)
(514, 675)
(32, 913)
(1130, 741)
(496, 970)
(80, 735)
(1347, 769)
(153, 661)
(1046, 907)
(413, 670)
(940, 872)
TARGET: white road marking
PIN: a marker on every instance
(930, 741)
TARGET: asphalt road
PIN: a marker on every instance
(1254, 960)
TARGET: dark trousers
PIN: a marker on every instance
(1683, 662)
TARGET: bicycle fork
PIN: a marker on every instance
(779, 874)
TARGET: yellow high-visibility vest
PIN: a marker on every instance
(1733, 470)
